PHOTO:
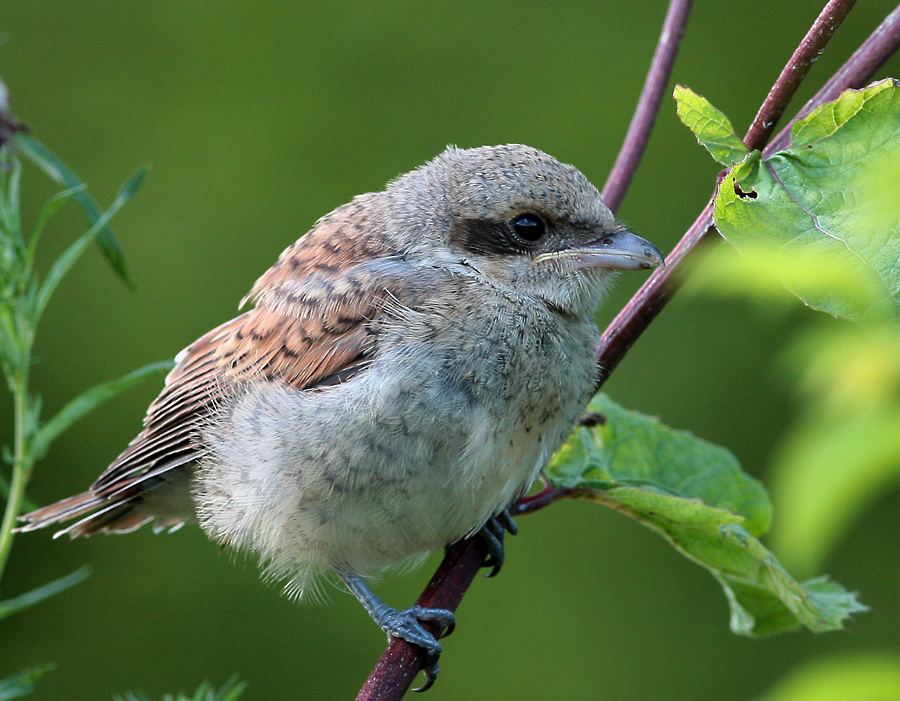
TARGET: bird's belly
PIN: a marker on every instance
(363, 476)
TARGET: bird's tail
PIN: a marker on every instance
(94, 513)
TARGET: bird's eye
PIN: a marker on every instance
(529, 227)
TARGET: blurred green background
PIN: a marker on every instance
(257, 118)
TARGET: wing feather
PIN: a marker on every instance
(316, 323)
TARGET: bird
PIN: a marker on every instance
(407, 368)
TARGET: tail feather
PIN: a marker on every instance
(167, 506)
(114, 517)
(63, 510)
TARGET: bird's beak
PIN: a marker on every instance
(619, 251)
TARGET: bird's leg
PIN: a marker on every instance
(493, 533)
(404, 624)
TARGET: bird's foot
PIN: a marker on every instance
(493, 533)
(406, 624)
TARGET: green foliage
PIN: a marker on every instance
(631, 450)
(822, 219)
(23, 298)
(22, 683)
(49, 162)
(231, 691)
(710, 125)
(695, 495)
(831, 199)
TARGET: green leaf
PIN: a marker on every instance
(831, 200)
(89, 400)
(50, 163)
(711, 127)
(11, 606)
(22, 683)
(638, 451)
(10, 217)
(67, 259)
(868, 676)
(695, 495)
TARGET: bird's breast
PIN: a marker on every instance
(451, 421)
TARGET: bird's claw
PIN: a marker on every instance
(406, 624)
(493, 533)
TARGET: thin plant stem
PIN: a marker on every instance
(19, 468)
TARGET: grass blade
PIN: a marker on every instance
(35, 596)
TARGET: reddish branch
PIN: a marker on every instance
(401, 661)
(795, 71)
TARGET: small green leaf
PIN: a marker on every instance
(11, 606)
(23, 683)
(833, 196)
(50, 163)
(695, 495)
(711, 127)
(89, 400)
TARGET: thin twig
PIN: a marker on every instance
(795, 71)
(648, 105)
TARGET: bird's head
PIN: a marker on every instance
(522, 221)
